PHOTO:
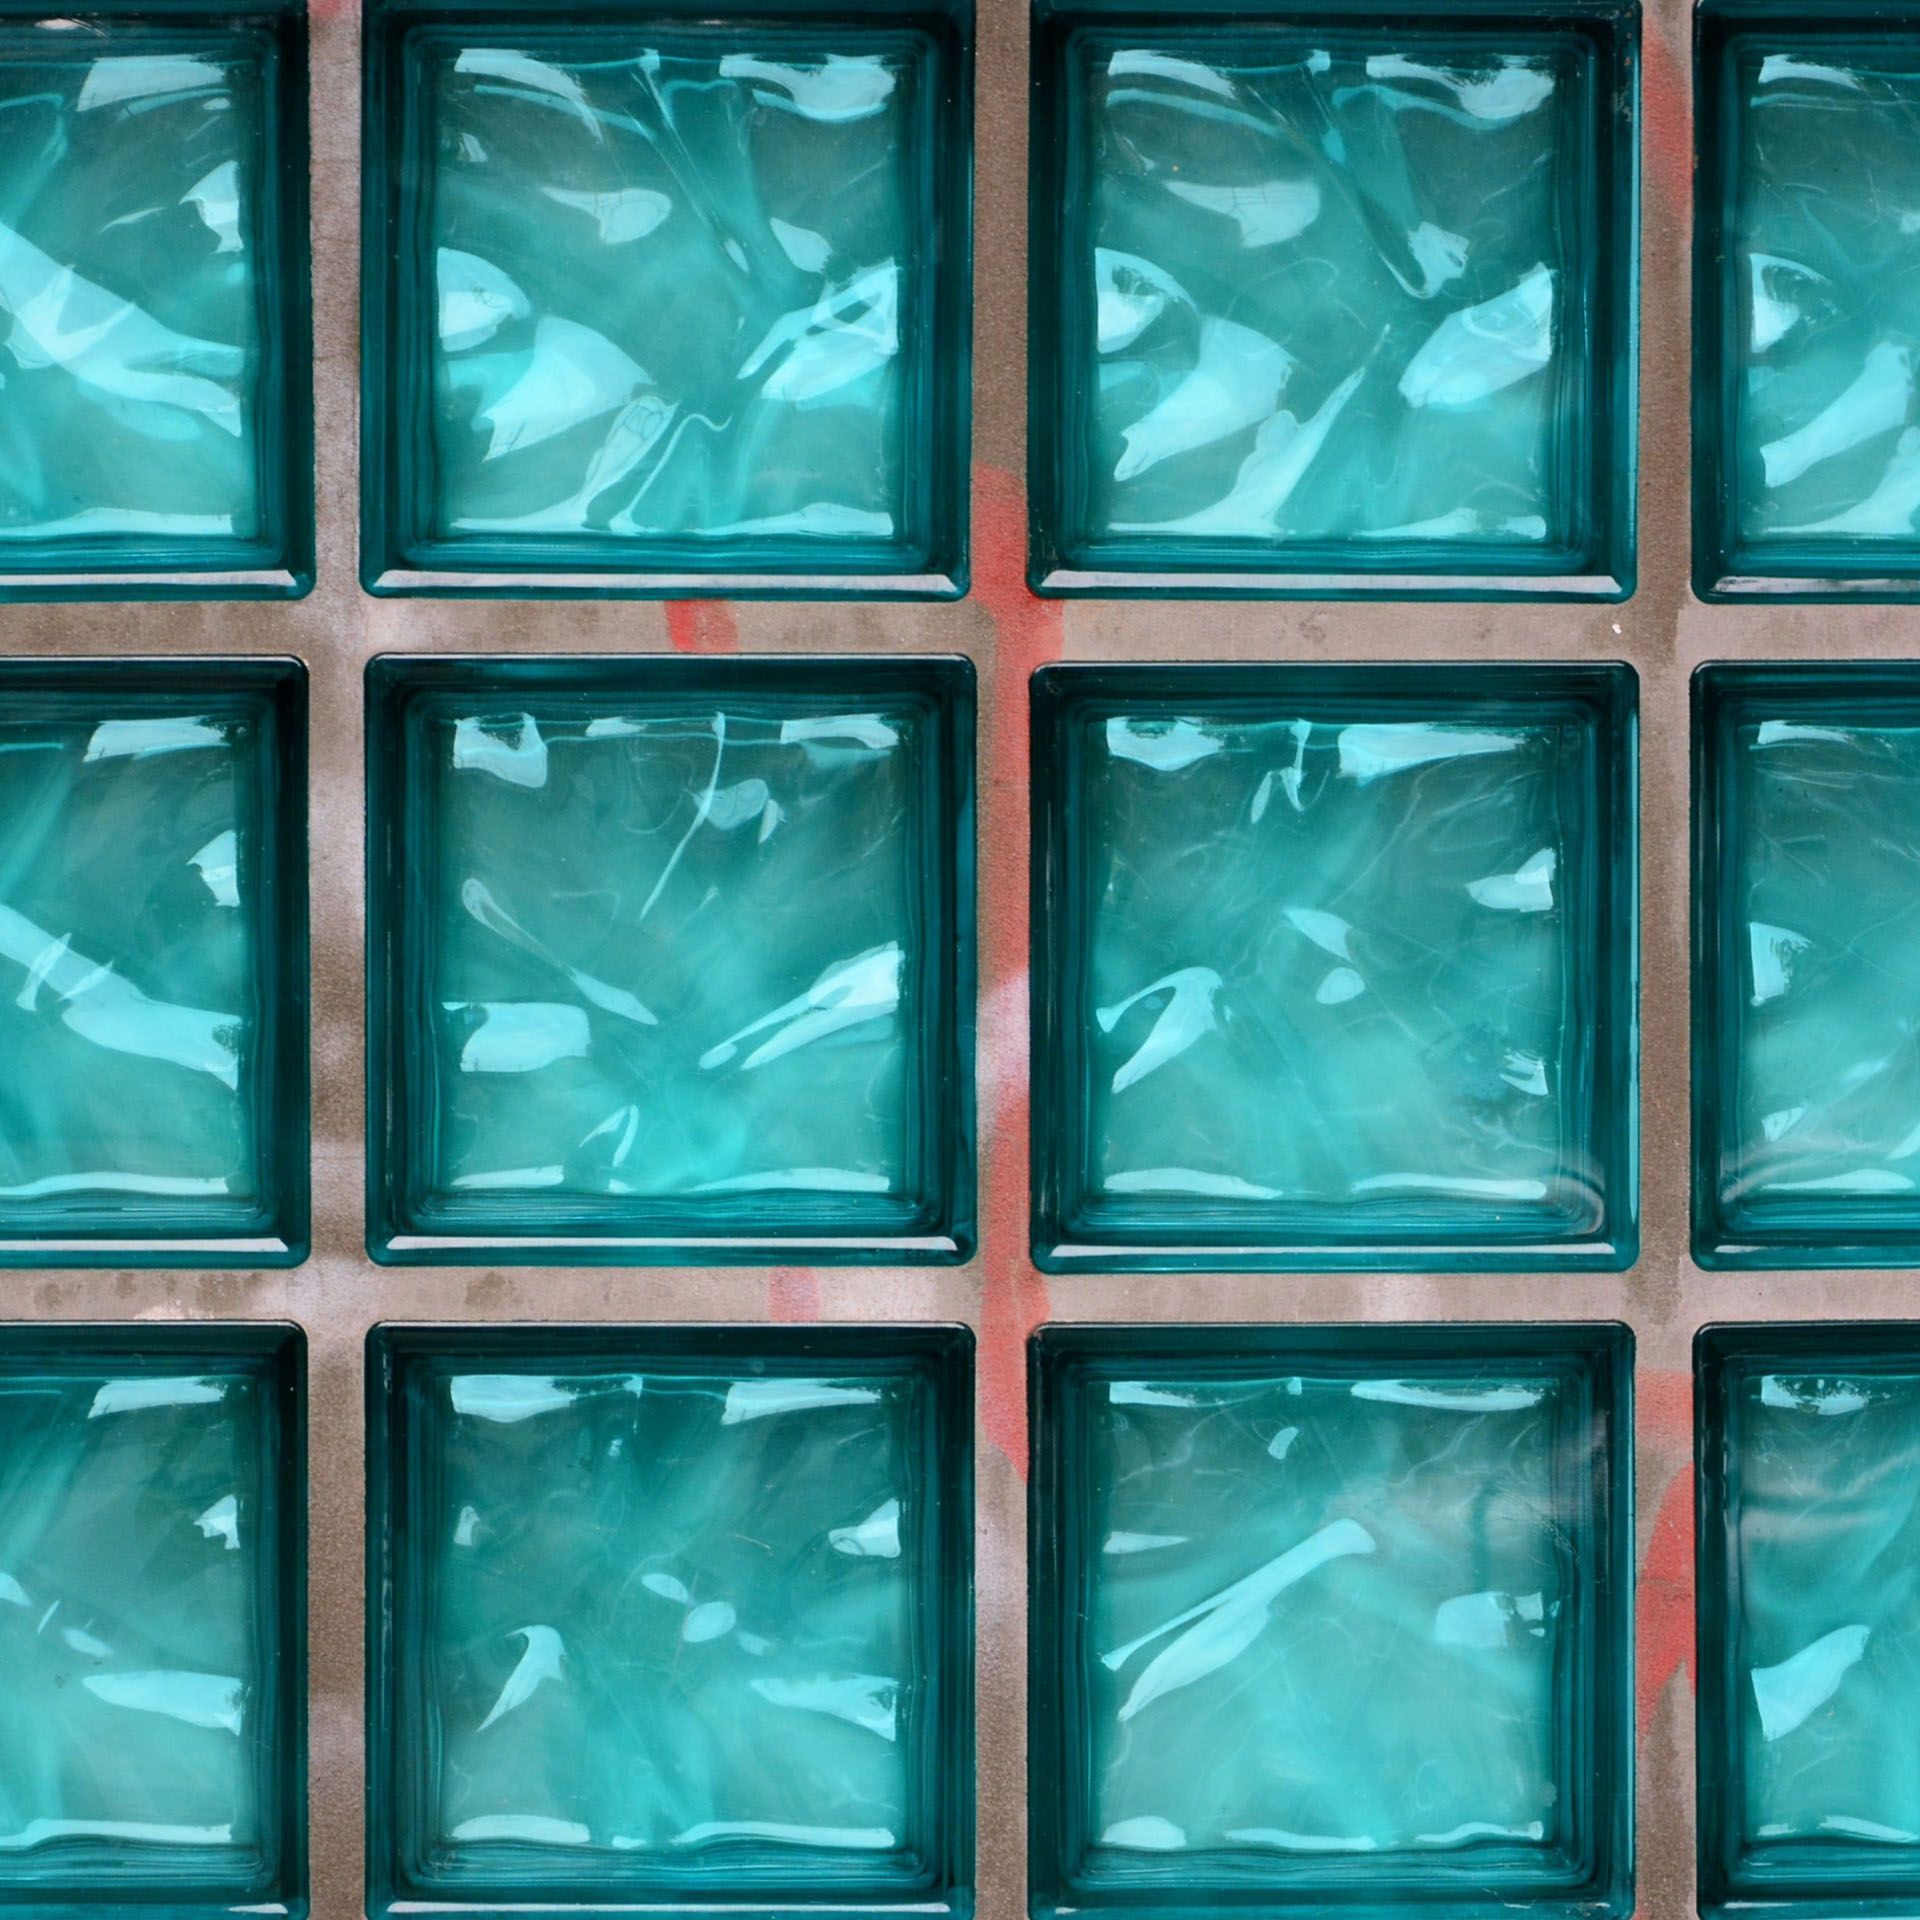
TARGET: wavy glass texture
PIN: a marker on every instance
(1809, 367)
(152, 964)
(684, 964)
(1332, 309)
(679, 1623)
(1331, 1626)
(141, 280)
(1335, 976)
(150, 1742)
(1810, 1760)
(1808, 1138)
(777, 400)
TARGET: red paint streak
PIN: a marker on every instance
(793, 1293)
(1027, 632)
(702, 626)
(1663, 1405)
(1668, 114)
(1664, 1639)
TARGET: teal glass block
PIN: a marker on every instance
(153, 1570)
(1335, 967)
(667, 300)
(153, 963)
(1332, 1620)
(1806, 424)
(156, 436)
(1329, 304)
(1806, 795)
(1809, 1628)
(672, 959)
(670, 1619)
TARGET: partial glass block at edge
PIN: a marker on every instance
(157, 436)
(1806, 411)
(1809, 1747)
(153, 963)
(673, 959)
(671, 1618)
(1335, 967)
(1323, 308)
(153, 1619)
(1332, 1619)
(1806, 808)
(662, 303)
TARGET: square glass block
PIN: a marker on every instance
(673, 959)
(1806, 1134)
(156, 435)
(1809, 1628)
(153, 963)
(1806, 323)
(667, 301)
(1332, 1619)
(1325, 305)
(1335, 967)
(153, 1578)
(671, 1619)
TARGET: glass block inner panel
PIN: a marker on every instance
(153, 1082)
(156, 436)
(1327, 309)
(1336, 967)
(1808, 478)
(1809, 1628)
(152, 1574)
(1332, 1618)
(1807, 1141)
(679, 1616)
(675, 298)
(676, 958)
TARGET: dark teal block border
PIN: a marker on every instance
(398, 685)
(1812, 1231)
(398, 555)
(275, 1353)
(1604, 568)
(1063, 1359)
(942, 1354)
(1820, 1880)
(280, 1233)
(1603, 697)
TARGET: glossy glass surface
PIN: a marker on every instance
(153, 963)
(1808, 476)
(674, 958)
(1807, 822)
(1326, 307)
(1335, 967)
(1809, 1743)
(1332, 1618)
(156, 435)
(152, 1607)
(668, 299)
(672, 1617)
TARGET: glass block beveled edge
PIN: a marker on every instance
(1612, 570)
(1723, 1353)
(283, 560)
(1721, 692)
(1610, 689)
(283, 1237)
(394, 681)
(395, 561)
(943, 1350)
(277, 1350)
(1723, 569)
(1602, 1350)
